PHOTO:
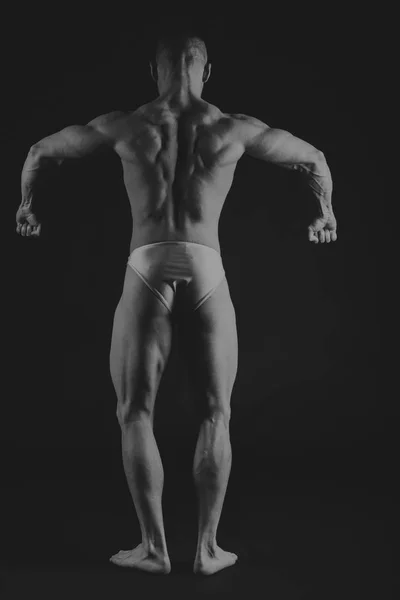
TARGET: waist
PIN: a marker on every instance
(146, 237)
(175, 243)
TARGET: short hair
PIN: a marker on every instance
(174, 46)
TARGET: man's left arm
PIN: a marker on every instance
(280, 147)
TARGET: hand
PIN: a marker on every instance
(323, 229)
(27, 223)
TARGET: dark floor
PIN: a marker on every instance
(304, 526)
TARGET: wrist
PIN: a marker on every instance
(26, 205)
(325, 205)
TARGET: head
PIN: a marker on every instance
(181, 58)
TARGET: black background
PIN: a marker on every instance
(314, 428)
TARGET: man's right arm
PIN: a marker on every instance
(30, 171)
(284, 149)
(76, 141)
(27, 223)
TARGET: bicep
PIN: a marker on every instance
(75, 141)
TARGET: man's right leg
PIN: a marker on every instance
(212, 350)
(140, 346)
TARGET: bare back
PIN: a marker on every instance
(179, 155)
(178, 167)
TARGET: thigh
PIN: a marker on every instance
(140, 345)
(211, 350)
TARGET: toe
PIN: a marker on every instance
(123, 552)
(119, 555)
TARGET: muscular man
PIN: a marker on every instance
(179, 155)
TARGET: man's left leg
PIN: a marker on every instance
(212, 355)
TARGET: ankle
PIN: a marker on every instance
(155, 546)
(207, 545)
(156, 551)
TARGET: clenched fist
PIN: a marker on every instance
(323, 229)
(27, 223)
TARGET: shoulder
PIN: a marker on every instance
(109, 123)
(113, 125)
(247, 128)
(107, 118)
(150, 113)
(246, 120)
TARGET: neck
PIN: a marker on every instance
(181, 86)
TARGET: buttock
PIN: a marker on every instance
(176, 261)
(198, 266)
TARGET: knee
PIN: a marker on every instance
(218, 411)
(129, 411)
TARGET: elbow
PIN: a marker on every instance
(319, 157)
(319, 163)
(38, 154)
(34, 150)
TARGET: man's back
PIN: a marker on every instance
(179, 158)
(178, 165)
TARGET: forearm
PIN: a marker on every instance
(29, 178)
(320, 181)
(34, 165)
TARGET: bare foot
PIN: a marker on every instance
(208, 562)
(139, 558)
